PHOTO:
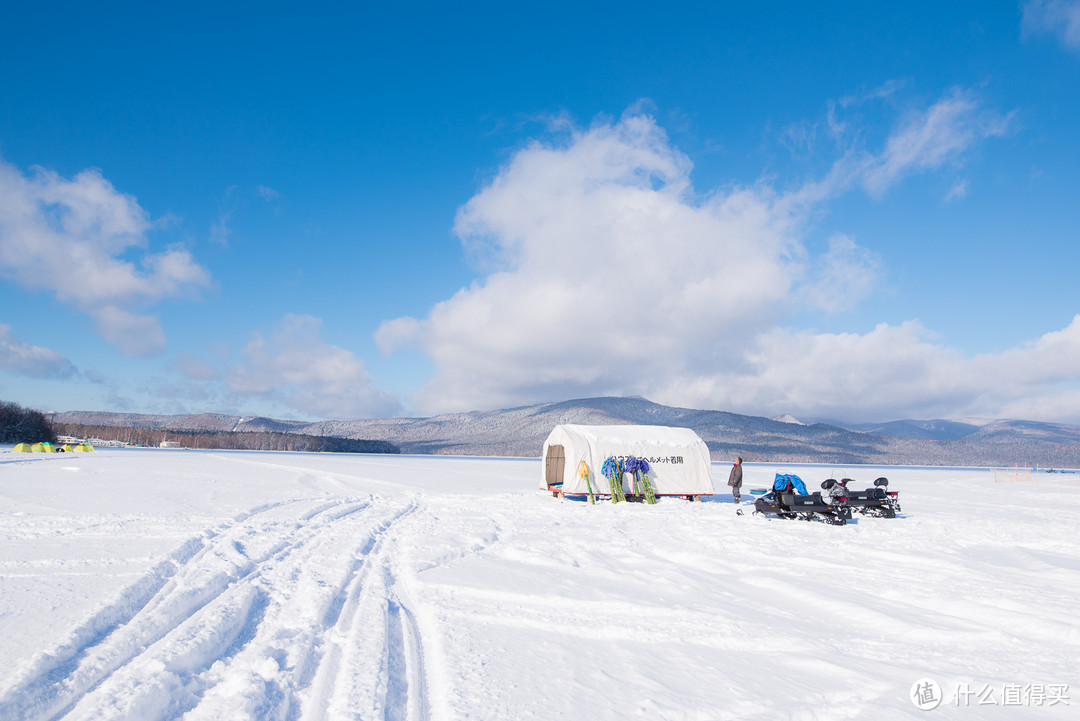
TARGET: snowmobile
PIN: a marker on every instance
(877, 501)
(789, 499)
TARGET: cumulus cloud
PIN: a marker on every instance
(605, 270)
(606, 273)
(294, 366)
(69, 238)
(1055, 17)
(892, 372)
(31, 360)
(821, 373)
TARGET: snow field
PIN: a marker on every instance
(287, 586)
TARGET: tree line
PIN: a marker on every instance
(22, 425)
(231, 440)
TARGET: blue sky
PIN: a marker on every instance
(342, 211)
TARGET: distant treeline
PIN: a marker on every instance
(234, 440)
(22, 425)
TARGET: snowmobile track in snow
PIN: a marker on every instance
(291, 610)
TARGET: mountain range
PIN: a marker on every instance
(521, 432)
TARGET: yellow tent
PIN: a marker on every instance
(45, 447)
(66, 448)
(83, 448)
(21, 448)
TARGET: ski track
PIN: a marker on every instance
(291, 610)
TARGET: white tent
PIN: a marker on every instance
(678, 459)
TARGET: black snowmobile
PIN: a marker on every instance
(877, 501)
(789, 499)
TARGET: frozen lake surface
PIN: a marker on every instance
(221, 585)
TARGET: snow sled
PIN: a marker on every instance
(877, 501)
(789, 499)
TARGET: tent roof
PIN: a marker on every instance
(665, 435)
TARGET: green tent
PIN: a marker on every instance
(45, 447)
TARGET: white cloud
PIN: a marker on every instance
(196, 369)
(942, 135)
(294, 366)
(821, 373)
(31, 360)
(267, 193)
(132, 333)
(1056, 17)
(891, 372)
(608, 275)
(68, 237)
(605, 271)
(841, 278)
(930, 139)
(957, 191)
(219, 229)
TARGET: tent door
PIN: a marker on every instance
(555, 465)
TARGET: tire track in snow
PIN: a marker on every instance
(202, 570)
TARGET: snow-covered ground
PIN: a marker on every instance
(224, 585)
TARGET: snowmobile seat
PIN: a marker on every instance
(803, 504)
(869, 497)
(806, 506)
(873, 501)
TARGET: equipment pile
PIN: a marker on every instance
(833, 504)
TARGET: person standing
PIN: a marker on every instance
(735, 479)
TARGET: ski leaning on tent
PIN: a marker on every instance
(583, 473)
(638, 468)
(613, 469)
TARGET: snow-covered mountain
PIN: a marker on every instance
(521, 432)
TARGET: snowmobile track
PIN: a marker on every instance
(274, 614)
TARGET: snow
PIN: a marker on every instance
(160, 584)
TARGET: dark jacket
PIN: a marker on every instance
(735, 479)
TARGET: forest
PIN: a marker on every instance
(232, 440)
(22, 425)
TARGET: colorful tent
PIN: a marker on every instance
(83, 448)
(22, 448)
(45, 447)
